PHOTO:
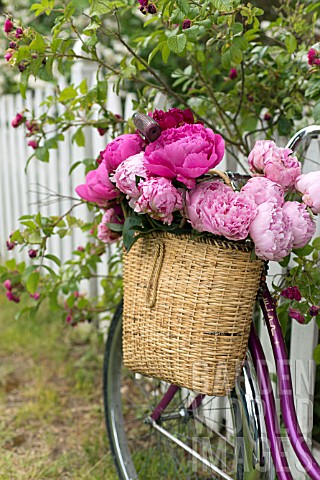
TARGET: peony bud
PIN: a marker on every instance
(8, 26)
(32, 253)
(19, 33)
(33, 144)
(7, 284)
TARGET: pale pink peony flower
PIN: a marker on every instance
(271, 231)
(126, 174)
(159, 198)
(195, 198)
(120, 149)
(262, 189)
(112, 215)
(228, 213)
(257, 155)
(98, 187)
(281, 168)
(184, 153)
(303, 226)
(274, 163)
(309, 185)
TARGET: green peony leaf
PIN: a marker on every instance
(177, 43)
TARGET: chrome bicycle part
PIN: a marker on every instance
(313, 131)
(217, 438)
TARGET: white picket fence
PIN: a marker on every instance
(49, 189)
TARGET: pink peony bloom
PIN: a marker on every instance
(195, 199)
(309, 185)
(271, 232)
(281, 168)
(293, 313)
(120, 149)
(184, 153)
(159, 198)
(126, 174)
(274, 163)
(8, 26)
(262, 189)
(292, 293)
(257, 155)
(228, 213)
(112, 215)
(98, 187)
(173, 118)
(303, 226)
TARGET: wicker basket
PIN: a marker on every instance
(188, 309)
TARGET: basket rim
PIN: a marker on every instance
(209, 239)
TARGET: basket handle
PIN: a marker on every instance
(223, 175)
(151, 292)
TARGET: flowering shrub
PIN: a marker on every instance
(232, 73)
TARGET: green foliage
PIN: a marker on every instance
(191, 67)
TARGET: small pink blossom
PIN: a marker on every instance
(262, 189)
(314, 310)
(18, 120)
(271, 232)
(120, 149)
(69, 319)
(292, 293)
(303, 226)
(228, 213)
(32, 126)
(126, 174)
(12, 298)
(294, 313)
(309, 185)
(233, 73)
(173, 118)
(35, 296)
(313, 57)
(8, 56)
(7, 284)
(112, 215)
(195, 198)
(186, 24)
(19, 32)
(8, 26)
(33, 144)
(159, 198)
(98, 187)
(184, 153)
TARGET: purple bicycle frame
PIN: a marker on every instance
(268, 402)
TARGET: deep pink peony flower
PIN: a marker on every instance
(292, 293)
(303, 226)
(98, 187)
(173, 118)
(184, 153)
(112, 215)
(159, 198)
(309, 185)
(195, 198)
(271, 232)
(120, 149)
(126, 174)
(257, 155)
(293, 313)
(262, 189)
(228, 213)
(8, 26)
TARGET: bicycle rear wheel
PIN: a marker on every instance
(221, 439)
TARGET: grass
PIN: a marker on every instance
(51, 412)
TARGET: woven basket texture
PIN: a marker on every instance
(188, 307)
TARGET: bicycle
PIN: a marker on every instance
(160, 431)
